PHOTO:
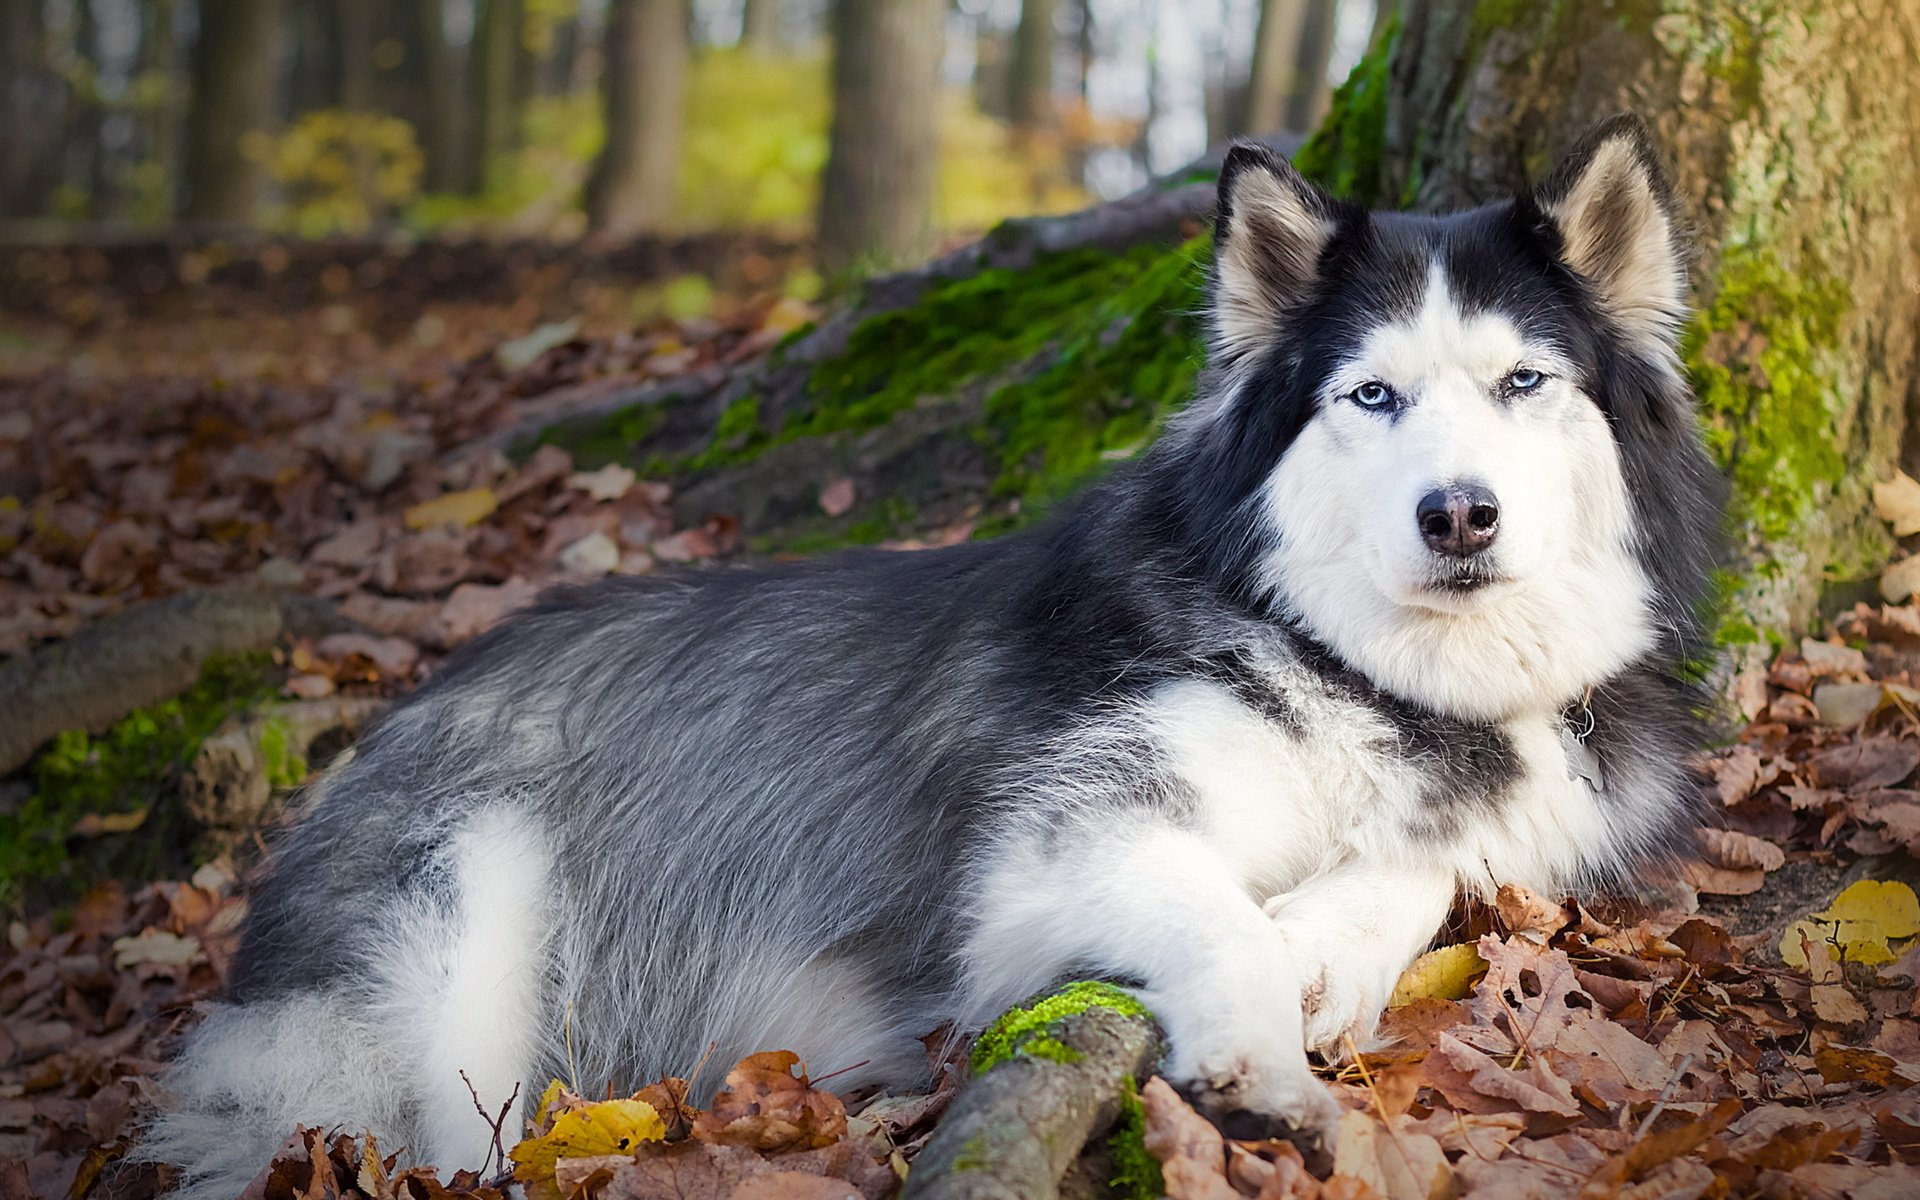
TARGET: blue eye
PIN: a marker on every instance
(1524, 380)
(1372, 395)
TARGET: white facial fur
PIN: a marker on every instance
(1570, 605)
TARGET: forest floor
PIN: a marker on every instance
(1757, 1033)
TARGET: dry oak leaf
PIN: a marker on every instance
(1395, 1161)
(1192, 1154)
(766, 1106)
(1737, 851)
(1864, 764)
(1897, 502)
(1527, 912)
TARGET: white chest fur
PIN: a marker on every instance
(1286, 802)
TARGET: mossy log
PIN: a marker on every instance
(148, 653)
(1054, 1107)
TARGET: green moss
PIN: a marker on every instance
(1136, 1172)
(600, 440)
(737, 436)
(1755, 356)
(1035, 1032)
(130, 769)
(1344, 154)
(1491, 15)
(285, 767)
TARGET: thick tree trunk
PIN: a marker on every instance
(1030, 77)
(760, 28)
(632, 189)
(877, 195)
(1794, 131)
(235, 68)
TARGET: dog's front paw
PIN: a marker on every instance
(1344, 987)
(1245, 1101)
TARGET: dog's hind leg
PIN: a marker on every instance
(465, 988)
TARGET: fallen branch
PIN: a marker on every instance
(146, 654)
(1018, 1131)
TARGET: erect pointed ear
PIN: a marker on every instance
(1267, 237)
(1615, 212)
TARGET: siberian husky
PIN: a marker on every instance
(1401, 607)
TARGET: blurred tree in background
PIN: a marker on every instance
(632, 117)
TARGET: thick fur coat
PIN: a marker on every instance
(1406, 604)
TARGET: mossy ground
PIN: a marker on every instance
(125, 777)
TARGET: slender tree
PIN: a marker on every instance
(160, 63)
(355, 30)
(760, 28)
(876, 199)
(494, 61)
(442, 129)
(1308, 97)
(1030, 76)
(632, 187)
(235, 66)
(1276, 41)
(34, 103)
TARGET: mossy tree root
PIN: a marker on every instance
(1027, 1124)
(142, 656)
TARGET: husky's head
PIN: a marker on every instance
(1457, 450)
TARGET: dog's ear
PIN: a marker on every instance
(1267, 237)
(1615, 213)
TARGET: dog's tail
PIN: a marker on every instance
(250, 1074)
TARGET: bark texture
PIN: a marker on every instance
(1794, 134)
(632, 189)
(235, 70)
(877, 194)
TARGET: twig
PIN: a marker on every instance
(835, 1074)
(496, 1124)
(1380, 1107)
(1660, 1101)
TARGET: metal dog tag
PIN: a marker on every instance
(1582, 762)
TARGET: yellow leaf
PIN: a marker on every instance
(787, 315)
(610, 1127)
(455, 508)
(1860, 922)
(1887, 903)
(1444, 974)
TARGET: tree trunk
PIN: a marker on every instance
(877, 195)
(632, 189)
(1384, 11)
(1794, 133)
(1307, 100)
(354, 37)
(160, 61)
(1030, 78)
(32, 96)
(442, 132)
(1276, 41)
(494, 61)
(234, 72)
(760, 29)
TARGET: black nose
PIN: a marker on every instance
(1460, 519)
